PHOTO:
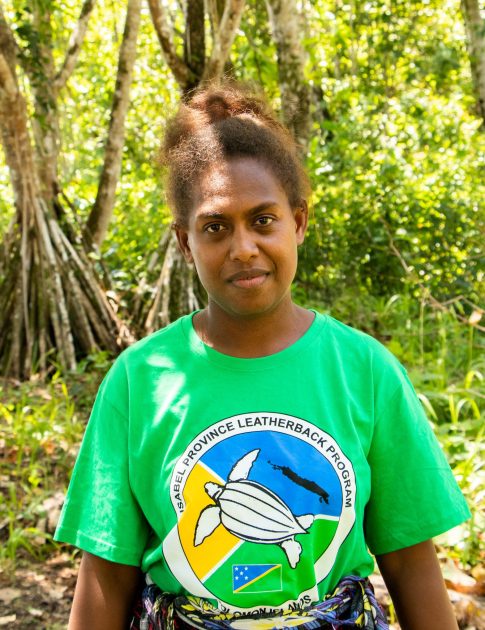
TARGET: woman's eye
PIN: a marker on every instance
(264, 220)
(214, 228)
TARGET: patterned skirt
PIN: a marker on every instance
(352, 605)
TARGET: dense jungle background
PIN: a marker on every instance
(387, 101)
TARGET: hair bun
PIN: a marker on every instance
(222, 122)
(217, 103)
(217, 108)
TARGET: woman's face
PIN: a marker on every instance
(242, 236)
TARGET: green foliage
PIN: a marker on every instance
(40, 430)
(460, 427)
(254, 53)
(6, 199)
(398, 167)
(382, 194)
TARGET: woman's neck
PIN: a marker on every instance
(255, 336)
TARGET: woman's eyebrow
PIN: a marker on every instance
(210, 214)
(220, 214)
(267, 205)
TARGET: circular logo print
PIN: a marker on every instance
(264, 502)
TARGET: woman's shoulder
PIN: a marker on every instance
(160, 349)
(361, 359)
(171, 338)
(351, 340)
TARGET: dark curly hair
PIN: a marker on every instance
(221, 122)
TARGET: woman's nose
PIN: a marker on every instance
(243, 245)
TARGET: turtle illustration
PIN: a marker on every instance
(251, 512)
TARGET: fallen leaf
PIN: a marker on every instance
(469, 610)
(460, 581)
(478, 573)
(51, 510)
(7, 595)
(43, 393)
(35, 612)
(57, 593)
(62, 558)
(4, 621)
(67, 573)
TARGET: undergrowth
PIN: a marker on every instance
(41, 424)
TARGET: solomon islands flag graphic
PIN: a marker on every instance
(256, 578)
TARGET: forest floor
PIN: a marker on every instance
(39, 594)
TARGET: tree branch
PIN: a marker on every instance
(8, 56)
(214, 14)
(7, 80)
(11, 49)
(475, 30)
(194, 40)
(74, 46)
(223, 39)
(295, 91)
(8, 46)
(102, 210)
(165, 35)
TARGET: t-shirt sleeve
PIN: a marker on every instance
(101, 514)
(414, 495)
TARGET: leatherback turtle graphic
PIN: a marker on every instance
(251, 512)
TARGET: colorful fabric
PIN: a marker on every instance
(257, 484)
(352, 605)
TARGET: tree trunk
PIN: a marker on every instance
(74, 46)
(38, 63)
(295, 91)
(166, 37)
(102, 210)
(52, 307)
(475, 30)
(223, 36)
(178, 290)
(194, 42)
(45, 122)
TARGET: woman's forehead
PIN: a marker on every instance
(242, 184)
(228, 176)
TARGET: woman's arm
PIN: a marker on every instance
(413, 578)
(104, 595)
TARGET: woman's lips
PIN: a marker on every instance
(248, 279)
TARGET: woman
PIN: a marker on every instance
(247, 457)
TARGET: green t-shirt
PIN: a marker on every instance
(257, 483)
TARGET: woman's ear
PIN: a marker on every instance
(183, 242)
(300, 214)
